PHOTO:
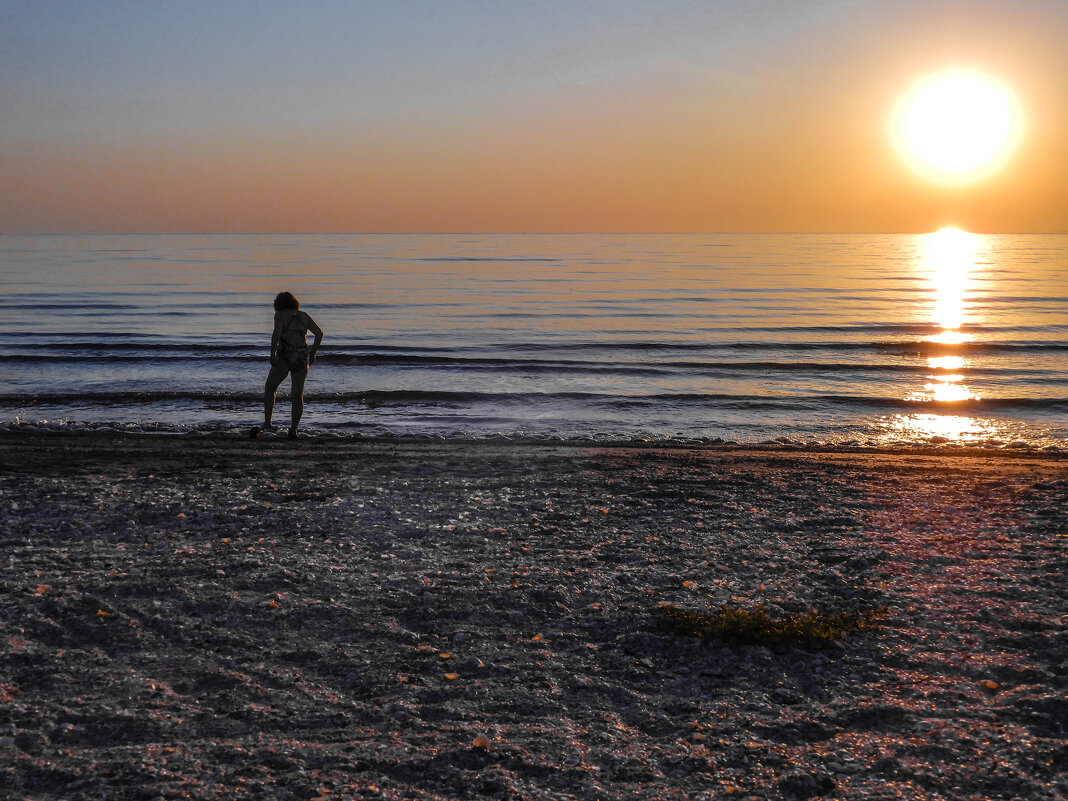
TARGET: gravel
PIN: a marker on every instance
(214, 618)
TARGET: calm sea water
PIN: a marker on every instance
(890, 339)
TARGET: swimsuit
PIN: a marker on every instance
(295, 356)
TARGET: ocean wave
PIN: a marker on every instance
(895, 347)
(118, 348)
(384, 397)
(847, 441)
(534, 366)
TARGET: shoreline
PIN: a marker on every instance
(227, 441)
(195, 616)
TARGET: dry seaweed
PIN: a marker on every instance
(759, 627)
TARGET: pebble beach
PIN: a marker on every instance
(209, 617)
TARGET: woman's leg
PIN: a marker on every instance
(274, 379)
(297, 378)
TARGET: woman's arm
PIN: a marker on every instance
(276, 335)
(318, 337)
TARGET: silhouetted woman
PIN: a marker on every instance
(290, 355)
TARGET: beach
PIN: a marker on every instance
(211, 617)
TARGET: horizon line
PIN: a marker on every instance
(518, 233)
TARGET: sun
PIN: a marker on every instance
(957, 127)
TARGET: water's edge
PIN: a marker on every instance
(160, 433)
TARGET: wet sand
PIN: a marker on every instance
(217, 618)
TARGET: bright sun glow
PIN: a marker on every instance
(957, 127)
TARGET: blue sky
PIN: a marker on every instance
(120, 68)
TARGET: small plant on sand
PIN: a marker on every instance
(758, 627)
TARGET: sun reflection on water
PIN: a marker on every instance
(950, 337)
(941, 427)
(945, 362)
(948, 390)
(947, 259)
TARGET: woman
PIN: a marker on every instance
(291, 356)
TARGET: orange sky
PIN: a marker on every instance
(780, 126)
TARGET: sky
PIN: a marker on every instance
(510, 115)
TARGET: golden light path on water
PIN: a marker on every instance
(947, 260)
(948, 257)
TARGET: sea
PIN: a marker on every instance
(943, 339)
